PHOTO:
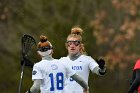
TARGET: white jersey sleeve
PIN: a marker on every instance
(36, 73)
(92, 63)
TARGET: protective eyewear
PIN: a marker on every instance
(45, 48)
(76, 43)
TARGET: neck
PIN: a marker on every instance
(48, 57)
(74, 56)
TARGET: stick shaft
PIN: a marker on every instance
(21, 78)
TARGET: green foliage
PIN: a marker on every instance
(111, 29)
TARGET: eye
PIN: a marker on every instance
(69, 43)
(76, 43)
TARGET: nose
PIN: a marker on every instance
(72, 45)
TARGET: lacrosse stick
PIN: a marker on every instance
(27, 42)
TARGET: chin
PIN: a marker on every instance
(73, 53)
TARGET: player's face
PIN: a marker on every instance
(73, 45)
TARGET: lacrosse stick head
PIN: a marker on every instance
(27, 43)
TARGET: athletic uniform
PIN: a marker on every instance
(135, 78)
(137, 66)
(82, 66)
(53, 75)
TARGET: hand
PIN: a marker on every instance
(28, 91)
(27, 62)
(101, 63)
(86, 91)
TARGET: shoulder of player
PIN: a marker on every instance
(55, 60)
(63, 58)
(38, 63)
(138, 61)
(42, 62)
(86, 57)
(137, 65)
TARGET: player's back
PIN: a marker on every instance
(53, 74)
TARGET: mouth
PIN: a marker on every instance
(72, 49)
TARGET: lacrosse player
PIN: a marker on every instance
(135, 78)
(49, 74)
(79, 61)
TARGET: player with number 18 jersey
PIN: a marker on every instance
(50, 74)
(53, 74)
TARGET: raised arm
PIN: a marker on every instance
(101, 69)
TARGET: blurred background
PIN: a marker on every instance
(111, 30)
